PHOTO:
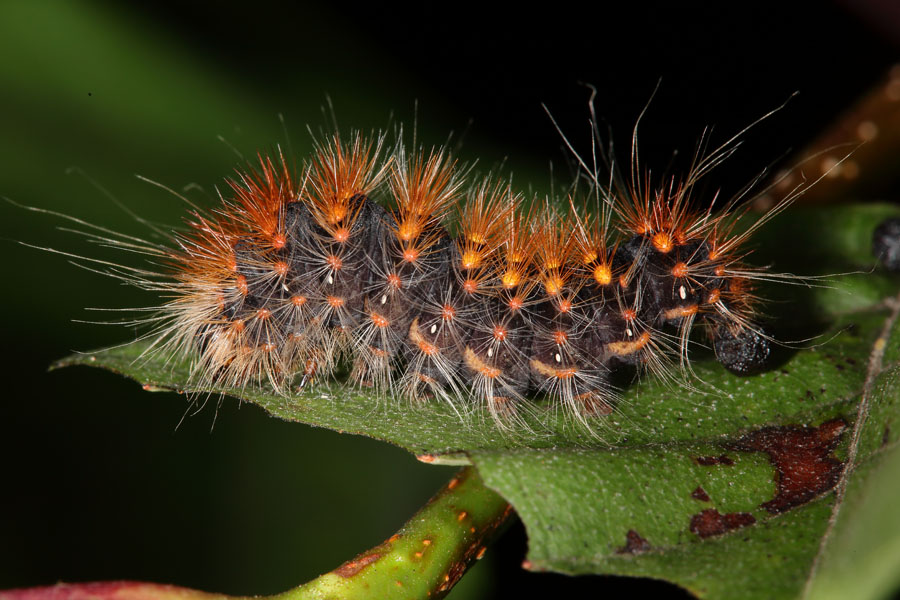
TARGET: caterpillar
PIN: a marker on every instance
(428, 282)
(431, 283)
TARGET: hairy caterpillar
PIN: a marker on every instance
(350, 260)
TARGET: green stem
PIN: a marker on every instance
(428, 555)
(422, 560)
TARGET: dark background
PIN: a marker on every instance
(99, 480)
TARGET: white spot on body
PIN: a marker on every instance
(330, 279)
(490, 352)
(628, 332)
(384, 298)
(682, 292)
(433, 328)
(558, 358)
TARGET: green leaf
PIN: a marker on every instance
(738, 487)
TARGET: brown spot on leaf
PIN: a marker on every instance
(700, 494)
(352, 567)
(634, 544)
(802, 459)
(709, 461)
(711, 522)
